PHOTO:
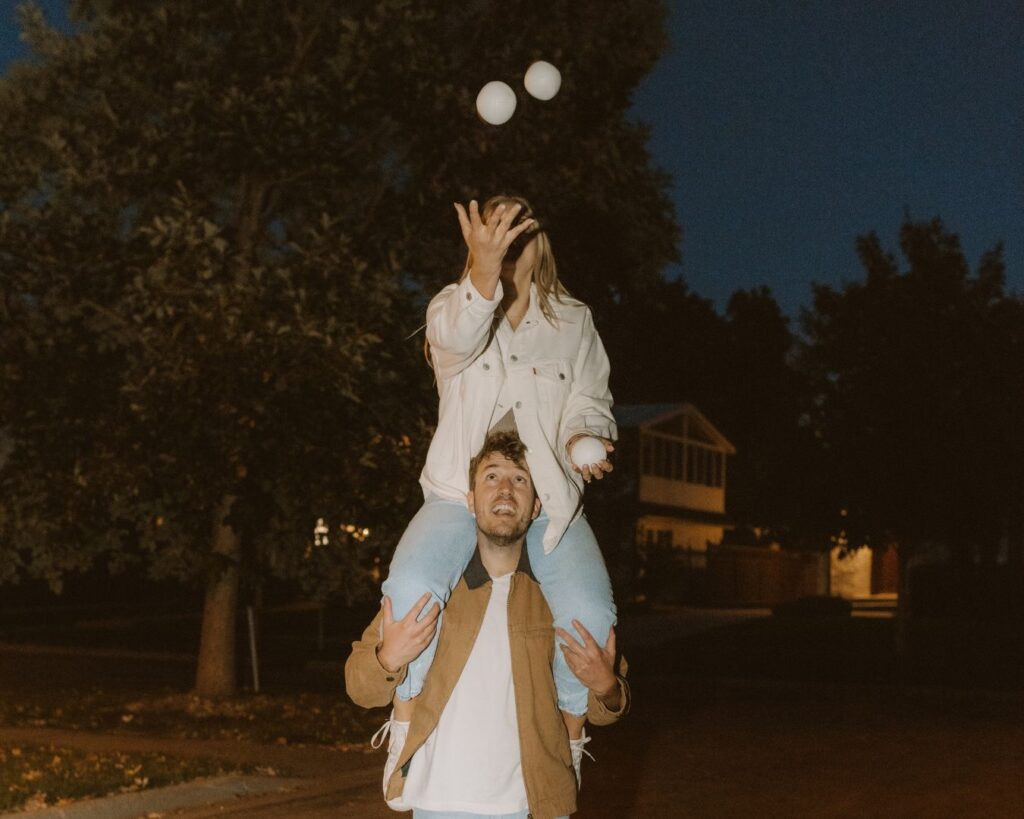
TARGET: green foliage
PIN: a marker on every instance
(218, 222)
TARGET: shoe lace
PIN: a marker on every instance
(577, 747)
(380, 735)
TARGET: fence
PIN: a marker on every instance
(757, 576)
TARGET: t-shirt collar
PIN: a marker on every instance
(476, 574)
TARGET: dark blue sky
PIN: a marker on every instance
(791, 127)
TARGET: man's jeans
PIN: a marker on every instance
(431, 814)
(435, 550)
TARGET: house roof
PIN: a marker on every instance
(643, 415)
(635, 415)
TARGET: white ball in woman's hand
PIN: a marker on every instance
(542, 80)
(496, 102)
(587, 451)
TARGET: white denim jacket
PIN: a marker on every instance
(555, 379)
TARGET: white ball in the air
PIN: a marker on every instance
(496, 102)
(587, 451)
(542, 80)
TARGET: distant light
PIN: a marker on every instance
(320, 533)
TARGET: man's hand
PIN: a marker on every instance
(597, 470)
(403, 640)
(593, 666)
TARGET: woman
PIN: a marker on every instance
(511, 349)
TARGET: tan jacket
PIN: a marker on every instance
(543, 741)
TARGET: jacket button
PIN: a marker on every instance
(390, 679)
(487, 366)
(562, 376)
(514, 358)
(469, 297)
(519, 404)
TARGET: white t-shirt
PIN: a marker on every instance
(471, 762)
(503, 417)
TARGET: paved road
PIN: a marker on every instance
(716, 750)
(787, 753)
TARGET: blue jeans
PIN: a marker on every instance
(433, 554)
(433, 814)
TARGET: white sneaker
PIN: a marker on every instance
(577, 750)
(399, 731)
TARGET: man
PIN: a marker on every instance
(487, 738)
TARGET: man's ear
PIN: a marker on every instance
(536, 508)
(469, 503)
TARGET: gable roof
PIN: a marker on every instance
(645, 415)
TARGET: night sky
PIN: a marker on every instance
(791, 127)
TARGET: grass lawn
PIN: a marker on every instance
(314, 719)
(32, 777)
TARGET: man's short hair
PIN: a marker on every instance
(504, 443)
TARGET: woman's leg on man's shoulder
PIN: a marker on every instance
(431, 557)
(432, 814)
(576, 585)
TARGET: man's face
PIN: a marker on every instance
(503, 499)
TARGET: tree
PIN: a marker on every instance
(739, 369)
(772, 479)
(216, 224)
(665, 343)
(580, 159)
(918, 384)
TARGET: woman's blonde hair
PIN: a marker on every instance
(545, 272)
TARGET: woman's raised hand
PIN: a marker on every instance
(488, 241)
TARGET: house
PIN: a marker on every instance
(667, 494)
(661, 519)
(679, 465)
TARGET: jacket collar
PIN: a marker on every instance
(533, 312)
(533, 315)
(476, 574)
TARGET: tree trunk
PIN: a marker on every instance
(215, 674)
